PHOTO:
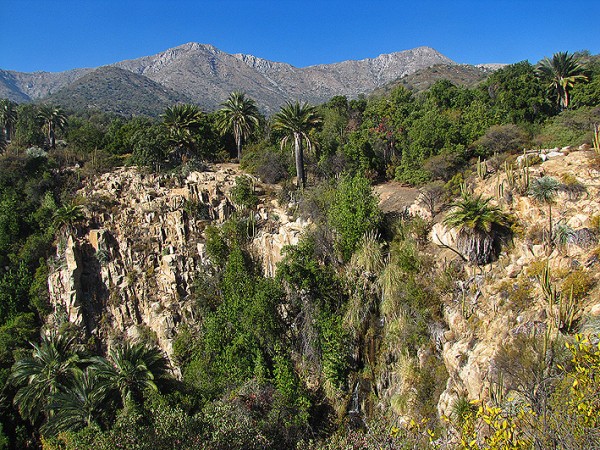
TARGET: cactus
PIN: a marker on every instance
(481, 168)
(510, 174)
(547, 288)
(566, 312)
(499, 189)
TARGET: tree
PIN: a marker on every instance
(296, 121)
(353, 213)
(544, 190)
(481, 227)
(240, 116)
(561, 73)
(43, 374)
(78, 405)
(182, 121)
(67, 216)
(8, 117)
(52, 117)
(131, 369)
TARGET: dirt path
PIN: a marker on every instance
(394, 197)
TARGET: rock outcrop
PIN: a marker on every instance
(130, 269)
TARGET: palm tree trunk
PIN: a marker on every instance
(239, 148)
(300, 176)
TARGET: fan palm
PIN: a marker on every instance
(239, 115)
(544, 190)
(481, 227)
(45, 373)
(67, 216)
(8, 117)
(131, 369)
(561, 73)
(296, 121)
(52, 117)
(78, 406)
(182, 122)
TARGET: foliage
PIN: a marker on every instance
(242, 194)
(240, 116)
(481, 227)
(296, 121)
(354, 212)
(560, 74)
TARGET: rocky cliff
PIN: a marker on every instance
(129, 269)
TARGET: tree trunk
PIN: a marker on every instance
(239, 148)
(300, 176)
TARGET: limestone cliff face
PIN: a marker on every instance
(129, 269)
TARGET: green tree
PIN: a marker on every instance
(544, 190)
(8, 117)
(67, 216)
(354, 212)
(78, 405)
(45, 373)
(296, 121)
(480, 227)
(182, 123)
(53, 118)
(561, 73)
(239, 115)
(131, 369)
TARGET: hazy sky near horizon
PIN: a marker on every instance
(56, 35)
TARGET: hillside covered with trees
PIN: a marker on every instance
(467, 320)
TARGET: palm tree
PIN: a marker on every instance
(45, 373)
(297, 121)
(67, 216)
(561, 73)
(77, 406)
(544, 190)
(52, 117)
(481, 227)
(182, 121)
(131, 369)
(239, 115)
(8, 117)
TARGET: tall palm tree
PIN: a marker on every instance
(131, 369)
(481, 227)
(45, 373)
(544, 190)
(561, 73)
(77, 406)
(53, 118)
(182, 121)
(8, 117)
(239, 115)
(297, 121)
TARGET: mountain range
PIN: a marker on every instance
(205, 75)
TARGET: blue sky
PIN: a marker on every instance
(55, 35)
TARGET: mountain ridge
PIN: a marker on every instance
(206, 75)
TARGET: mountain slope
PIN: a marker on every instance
(206, 76)
(23, 86)
(116, 90)
(422, 79)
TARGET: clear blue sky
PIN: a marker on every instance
(55, 35)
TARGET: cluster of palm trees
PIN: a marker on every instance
(68, 391)
(51, 118)
(239, 115)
